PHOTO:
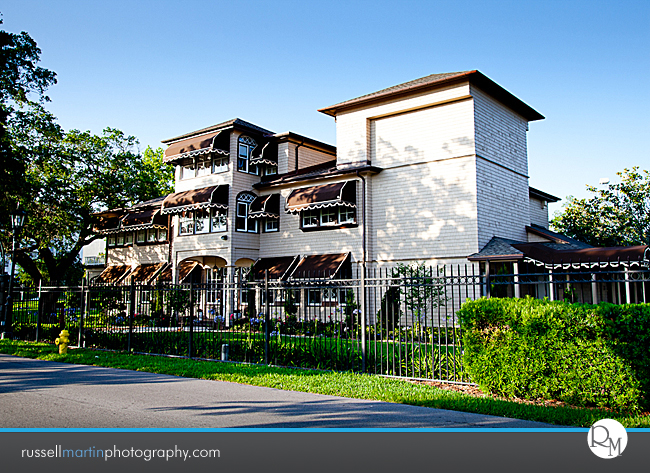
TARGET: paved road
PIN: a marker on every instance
(43, 394)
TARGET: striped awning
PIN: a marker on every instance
(321, 266)
(318, 197)
(146, 219)
(268, 155)
(199, 145)
(265, 206)
(206, 197)
(109, 222)
(144, 273)
(113, 274)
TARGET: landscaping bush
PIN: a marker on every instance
(585, 355)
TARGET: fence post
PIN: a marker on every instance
(515, 270)
(551, 289)
(363, 317)
(81, 311)
(487, 279)
(131, 314)
(38, 310)
(189, 343)
(267, 317)
(594, 288)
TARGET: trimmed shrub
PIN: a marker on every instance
(585, 355)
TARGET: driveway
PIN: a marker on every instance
(44, 394)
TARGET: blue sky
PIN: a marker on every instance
(157, 69)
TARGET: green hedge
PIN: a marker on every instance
(585, 355)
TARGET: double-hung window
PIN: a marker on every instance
(271, 225)
(310, 218)
(188, 171)
(328, 217)
(203, 167)
(219, 165)
(243, 223)
(246, 145)
(186, 223)
(219, 220)
(202, 221)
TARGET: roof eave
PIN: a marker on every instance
(477, 78)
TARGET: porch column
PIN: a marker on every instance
(551, 289)
(515, 268)
(594, 289)
(628, 298)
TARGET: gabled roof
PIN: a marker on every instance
(434, 81)
(234, 123)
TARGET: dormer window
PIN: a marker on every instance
(246, 145)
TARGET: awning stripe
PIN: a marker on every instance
(268, 155)
(112, 274)
(195, 146)
(265, 206)
(206, 197)
(144, 220)
(320, 266)
(318, 197)
(278, 267)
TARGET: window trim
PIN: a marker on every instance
(268, 220)
(248, 144)
(245, 199)
(210, 225)
(327, 226)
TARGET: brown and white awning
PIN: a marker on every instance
(326, 195)
(268, 155)
(199, 145)
(109, 222)
(204, 198)
(278, 267)
(144, 220)
(113, 274)
(321, 266)
(144, 273)
(265, 206)
(185, 268)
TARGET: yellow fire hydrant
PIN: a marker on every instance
(63, 341)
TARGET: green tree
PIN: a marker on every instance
(69, 176)
(616, 216)
(156, 177)
(22, 83)
(60, 178)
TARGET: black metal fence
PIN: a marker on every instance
(389, 322)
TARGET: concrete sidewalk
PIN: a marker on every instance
(43, 394)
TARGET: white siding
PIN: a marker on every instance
(539, 212)
(425, 211)
(352, 127)
(500, 133)
(431, 134)
(138, 254)
(503, 203)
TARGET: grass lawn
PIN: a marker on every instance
(324, 382)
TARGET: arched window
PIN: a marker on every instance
(244, 154)
(243, 223)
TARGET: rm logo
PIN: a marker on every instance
(607, 438)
